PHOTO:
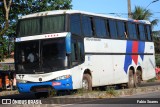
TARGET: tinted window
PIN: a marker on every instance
(132, 30)
(141, 32)
(75, 27)
(107, 28)
(86, 26)
(148, 32)
(53, 54)
(27, 57)
(121, 29)
(100, 27)
(41, 25)
(112, 27)
(77, 52)
(53, 24)
(74, 52)
(28, 27)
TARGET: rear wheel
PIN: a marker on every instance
(131, 81)
(138, 77)
(87, 82)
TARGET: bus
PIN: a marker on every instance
(71, 49)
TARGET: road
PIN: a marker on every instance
(126, 101)
(143, 100)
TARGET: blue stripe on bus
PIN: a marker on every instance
(128, 58)
(66, 84)
(141, 48)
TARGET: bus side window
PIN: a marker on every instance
(77, 52)
(107, 28)
(75, 26)
(74, 55)
(121, 30)
(148, 32)
(81, 51)
(100, 27)
(132, 30)
(87, 26)
(141, 32)
(113, 29)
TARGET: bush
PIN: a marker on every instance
(157, 60)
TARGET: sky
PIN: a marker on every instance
(117, 6)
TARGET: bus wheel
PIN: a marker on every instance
(87, 82)
(131, 81)
(138, 77)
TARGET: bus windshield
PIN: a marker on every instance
(41, 25)
(41, 56)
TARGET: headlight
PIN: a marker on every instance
(21, 81)
(63, 77)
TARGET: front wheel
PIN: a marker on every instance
(87, 82)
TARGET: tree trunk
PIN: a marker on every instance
(7, 9)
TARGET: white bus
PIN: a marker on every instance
(70, 49)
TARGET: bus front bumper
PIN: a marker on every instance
(65, 84)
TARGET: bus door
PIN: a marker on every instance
(77, 59)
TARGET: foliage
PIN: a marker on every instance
(156, 40)
(23, 7)
(141, 13)
(111, 92)
(152, 80)
(157, 60)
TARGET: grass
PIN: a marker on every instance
(152, 80)
(111, 92)
(80, 91)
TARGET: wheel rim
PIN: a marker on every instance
(132, 80)
(85, 84)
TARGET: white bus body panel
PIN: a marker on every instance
(105, 59)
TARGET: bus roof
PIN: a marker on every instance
(56, 12)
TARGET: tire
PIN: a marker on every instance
(138, 78)
(131, 80)
(87, 82)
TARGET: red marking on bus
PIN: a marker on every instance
(135, 50)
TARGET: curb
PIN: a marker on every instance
(5, 93)
(114, 93)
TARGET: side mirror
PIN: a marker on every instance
(68, 43)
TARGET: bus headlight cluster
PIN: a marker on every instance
(63, 77)
(21, 81)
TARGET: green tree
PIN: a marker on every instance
(24, 7)
(156, 40)
(141, 13)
